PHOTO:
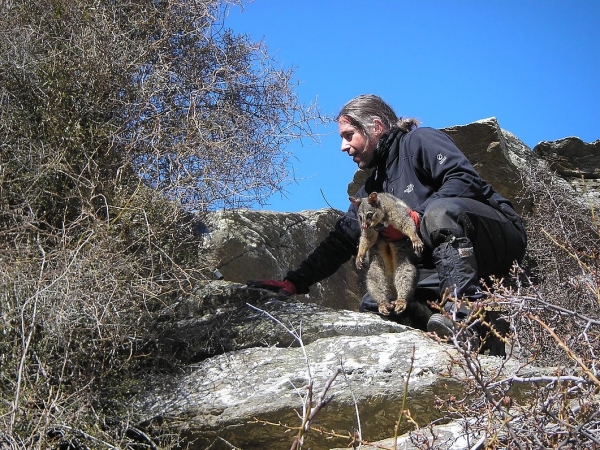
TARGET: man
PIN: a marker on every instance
(469, 230)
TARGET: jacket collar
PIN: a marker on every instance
(386, 148)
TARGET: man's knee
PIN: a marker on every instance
(444, 218)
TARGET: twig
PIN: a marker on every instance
(293, 333)
(328, 204)
(541, 379)
(145, 436)
(309, 411)
(358, 425)
(477, 374)
(566, 348)
(87, 436)
(404, 396)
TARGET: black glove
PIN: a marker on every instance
(284, 287)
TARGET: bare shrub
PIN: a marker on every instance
(564, 248)
(524, 405)
(121, 124)
(554, 321)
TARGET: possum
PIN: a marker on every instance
(392, 274)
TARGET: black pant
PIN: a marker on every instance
(498, 236)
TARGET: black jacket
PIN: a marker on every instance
(418, 167)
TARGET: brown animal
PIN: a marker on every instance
(392, 273)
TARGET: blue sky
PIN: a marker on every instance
(532, 64)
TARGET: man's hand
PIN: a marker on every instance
(284, 287)
(391, 234)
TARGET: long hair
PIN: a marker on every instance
(361, 111)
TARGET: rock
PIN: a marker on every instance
(496, 154)
(221, 316)
(359, 179)
(571, 157)
(450, 436)
(578, 163)
(249, 245)
(223, 394)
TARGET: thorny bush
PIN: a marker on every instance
(121, 124)
(553, 310)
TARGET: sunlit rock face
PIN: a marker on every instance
(277, 349)
(248, 244)
(252, 355)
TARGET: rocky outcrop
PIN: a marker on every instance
(571, 157)
(577, 162)
(252, 354)
(219, 317)
(249, 245)
(274, 349)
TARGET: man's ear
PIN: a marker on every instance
(378, 128)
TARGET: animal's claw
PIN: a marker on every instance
(399, 305)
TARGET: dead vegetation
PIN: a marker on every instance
(121, 124)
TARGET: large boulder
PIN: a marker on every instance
(221, 316)
(571, 157)
(276, 350)
(577, 162)
(248, 244)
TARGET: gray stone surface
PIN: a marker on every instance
(222, 394)
(221, 316)
(578, 163)
(243, 344)
(274, 349)
(571, 157)
(248, 245)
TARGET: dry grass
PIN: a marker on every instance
(121, 124)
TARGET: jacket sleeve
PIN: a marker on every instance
(337, 248)
(440, 164)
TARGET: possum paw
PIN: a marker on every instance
(417, 246)
(385, 308)
(399, 306)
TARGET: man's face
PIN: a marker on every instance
(355, 143)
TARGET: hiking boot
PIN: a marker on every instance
(445, 329)
(440, 325)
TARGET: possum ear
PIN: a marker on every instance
(355, 201)
(372, 198)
